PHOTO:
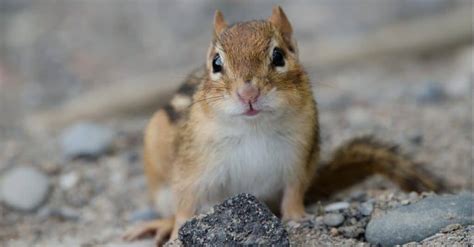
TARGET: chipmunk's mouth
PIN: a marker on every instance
(251, 111)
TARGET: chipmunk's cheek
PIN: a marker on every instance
(271, 101)
(229, 106)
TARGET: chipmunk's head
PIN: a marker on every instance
(253, 67)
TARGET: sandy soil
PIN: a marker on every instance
(386, 98)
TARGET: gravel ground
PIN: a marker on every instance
(423, 103)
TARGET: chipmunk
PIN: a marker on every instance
(248, 122)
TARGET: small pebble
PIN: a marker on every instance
(366, 208)
(334, 232)
(68, 181)
(460, 83)
(333, 219)
(431, 238)
(353, 220)
(24, 188)
(450, 228)
(132, 157)
(86, 140)
(336, 206)
(413, 196)
(51, 168)
(416, 139)
(358, 195)
(430, 93)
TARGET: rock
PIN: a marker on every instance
(358, 195)
(24, 188)
(366, 208)
(416, 138)
(430, 93)
(451, 228)
(240, 220)
(333, 219)
(68, 181)
(333, 232)
(86, 140)
(51, 168)
(420, 220)
(132, 157)
(143, 215)
(336, 206)
(459, 85)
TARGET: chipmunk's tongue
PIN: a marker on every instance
(251, 111)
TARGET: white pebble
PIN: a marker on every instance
(336, 206)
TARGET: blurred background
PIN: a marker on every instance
(78, 80)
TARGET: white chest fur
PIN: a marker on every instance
(256, 161)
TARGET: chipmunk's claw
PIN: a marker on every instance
(160, 228)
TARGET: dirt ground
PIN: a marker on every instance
(391, 98)
(51, 53)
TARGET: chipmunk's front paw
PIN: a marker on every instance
(293, 211)
(294, 215)
(161, 228)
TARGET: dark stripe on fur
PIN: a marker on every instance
(173, 115)
(187, 89)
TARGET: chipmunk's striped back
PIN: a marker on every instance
(178, 107)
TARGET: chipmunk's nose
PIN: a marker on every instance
(248, 93)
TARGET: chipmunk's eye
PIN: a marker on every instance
(278, 59)
(217, 63)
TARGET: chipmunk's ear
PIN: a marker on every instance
(219, 23)
(279, 20)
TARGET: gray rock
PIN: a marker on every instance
(420, 220)
(333, 219)
(240, 220)
(69, 180)
(336, 206)
(358, 195)
(431, 93)
(451, 228)
(366, 208)
(143, 215)
(416, 138)
(86, 140)
(24, 188)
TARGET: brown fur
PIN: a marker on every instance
(181, 141)
(365, 156)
